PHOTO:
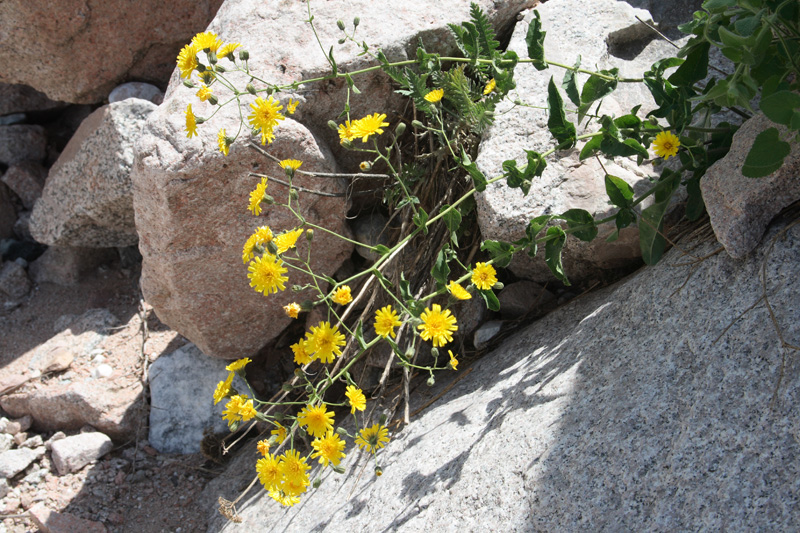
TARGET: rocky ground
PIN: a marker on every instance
(131, 488)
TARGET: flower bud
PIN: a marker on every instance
(653, 120)
(199, 120)
(272, 248)
(293, 194)
(317, 483)
(341, 41)
(435, 352)
(234, 426)
(498, 286)
(213, 99)
(309, 388)
(332, 125)
(431, 381)
(417, 124)
(298, 372)
(338, 469)
(365, 166)
(278, 416)
(382, 419)
(400, 129)
(340, 24)
(356, 22)
(378, 471)
(244, 55)
(409, 352)
(189, 83)
(341, 431)
(309, 234)
(286, 387)
(220, 68)
(251, 88)
(200, 68)
(269, 200)
(212, 57)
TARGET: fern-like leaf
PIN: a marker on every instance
(484, 32)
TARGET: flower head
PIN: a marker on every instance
(238, 364)
(227, 50)
(316, 419)
(239, 407)
(293, 467)
(356, 397)
(434, 96)
(293, 164)
(263, 447)
(369, 125)
(261, 236)
(265, 116)
(283, 498)
(223, 388)
(291, 107)
(292, 310)
(204, 93)
(458, 291)
(187, 60)
(301, 356)
(223, 142)
(287, 240)
(490, 86)
(666, 144)
(328, 449)
(342, 295)
(484, 276)
(453, 360)
(268, 473)
(386, 319)
(207, 41)
(266, 274)
(279, 432)
(326, 342)
(257, 196)
(437, 325)
(373, 439)
(346, 131)
(191, 122)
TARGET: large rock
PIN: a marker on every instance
(87, 199)
(21, 98)
(27, 181)
(606, 34)
(190, 200)
(740, 207)
(22, 142)
(80, 51)
(664, 403)
(182, 385)
(73, 399)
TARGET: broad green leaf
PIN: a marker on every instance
(625, 218)
(552, 252)
(500, 252)
(596, 88)
(491, 300)
(562, 129)
(780, 106)
(766, 155)
(582, 222)
(651, 222)
(536, 225)
(694, 69)
(441, 270)
(591, 146)
(570, 84)
(478, 179)
(420, 220)
(534, 40)
(618, 191)
(452, 218)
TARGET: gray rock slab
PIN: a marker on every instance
(12, 462)
(6, 441)
(182, 385)
(525, 297)
(663, 403)
(740, 207)
(22, 142)
(87, 199)
(26, 180)
(70, 454)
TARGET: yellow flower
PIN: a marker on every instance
(207, 40)
(223, 388)
(283, 498)
(265, 116)
(266, 274)
(356, 397)
(239, 407)
(238, 364)
(292, 310)
(458, 291)
(301, 356)
(326, 342)
(342, 295)
(292, 466)
(279, 432)
(227, 49)
(257, 196)
(369, 125)
(490, 86)
(287, 240)
(191, 122)
(328, 449)
(346, 132)
(263, 448)
(294, 487)
(246, 410)
(484, 276)
(666, 144)
(291, 106)
(268, 473)
(453, 360)
(293, 164)
(316, 419)
(204, 93)
(386, 319)
(222, 141)
(437, 325)
(261, 236)
(187, 60)
(373, 439)
(434, 96)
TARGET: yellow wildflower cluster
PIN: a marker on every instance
(285, 477)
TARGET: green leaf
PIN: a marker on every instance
(552, 252)
(618, 191)
(694, 69)
(500, 252)
(580, 218)
(534, 40)
(596, 88)
(591, 146)
(488, 44)
(651, 223)
(351, 84)
(360, 336)
(570, 84)
(780, 106)
(491, 300)
(478, 179)
(718, 5)
(536, 225)
(420, 220)
(766, 155)
(452, 218)
(381, 249)
(441, 270)
(624, 218)
(334, 67)
(562, 129)
(695, 207)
